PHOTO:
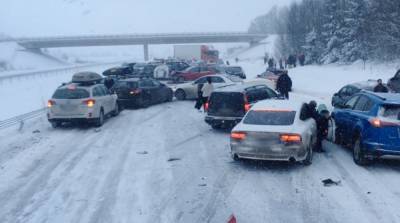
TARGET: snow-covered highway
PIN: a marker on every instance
(164, 164)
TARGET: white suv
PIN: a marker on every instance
(81, 103)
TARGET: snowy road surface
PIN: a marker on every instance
(164, 164)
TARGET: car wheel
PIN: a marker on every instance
(180, 95)
(235, 157)
(359, 153)
(55, 124)
(310, 155)
(100, 119)
(216, 127)
(116, 110)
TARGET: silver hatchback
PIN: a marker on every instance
(81, 103)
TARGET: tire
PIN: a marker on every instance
(310, 155)
(55, 124)
(100, 119)
(235, 157)
(180, 95)
(359, 153)
(216, 127)
(116, 110)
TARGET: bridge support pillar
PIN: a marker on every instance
(146, 52)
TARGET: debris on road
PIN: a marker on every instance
(36, 131)
(329, 182)
(173, 159)
(97, 130)
(232, 219)
(202, 185)
(142, 153)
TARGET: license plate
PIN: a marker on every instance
(276, 149)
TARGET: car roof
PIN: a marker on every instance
(366, 85)
(292, 105)
(238, 87)
(77, 85)
(133, 79)
(386, 98)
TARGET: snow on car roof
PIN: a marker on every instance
(239, 87)
(284, 105)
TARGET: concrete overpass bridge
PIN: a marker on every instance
(138, 39)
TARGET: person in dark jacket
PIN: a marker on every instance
(302, 59)
(284, 85)
(199, 100)
(281, 64)
(380, 88)
(271, 63)
(109, 83)
(322, 129)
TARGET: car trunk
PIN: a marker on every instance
(226, 104)
(68, 107)
(390, 129)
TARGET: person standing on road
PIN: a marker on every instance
(271, 63)
(109, 83)
(199, 100)
(284, 85)
(206, 90)
(380, 88)
(281, 63)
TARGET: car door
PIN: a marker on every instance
(359, 113)
(160, 93)
(110, 98)
(147, 91)
(98, 97)
(343, 116)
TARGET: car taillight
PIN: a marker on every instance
(50, 103)
(378, 123)
(135, 92)
(238, 135)
(90, 102)
(247, 107)
(290, 138)
(206, 105)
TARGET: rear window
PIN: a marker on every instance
(71, 94)
(227, 98)
(390, 112)
(126, 84)
(270, 118)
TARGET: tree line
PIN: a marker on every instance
(329, 31)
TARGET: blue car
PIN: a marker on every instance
(370, 123)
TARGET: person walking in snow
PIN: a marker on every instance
(206, 90)
(271, 63)
(302, 59)
(199, 100)
(380, 88)
(322, 129)
(284, 85)
(281, 63)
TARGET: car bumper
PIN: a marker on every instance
(273, 153)
(223, 121)
(379, 149)
(130, 102)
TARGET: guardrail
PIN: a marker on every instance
(20, 119)
(71, 69)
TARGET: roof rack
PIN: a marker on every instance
(87, 78)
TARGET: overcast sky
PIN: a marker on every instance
(73, 17)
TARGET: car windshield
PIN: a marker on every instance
(66, 93)
(390, 112)
(265, 117)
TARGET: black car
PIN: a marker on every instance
(346, 92)
(142, 92)
(227, 105)
(394, 82)
(234, 71)
(144, 69)
(121, 71)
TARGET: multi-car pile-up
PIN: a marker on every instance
(263, 125)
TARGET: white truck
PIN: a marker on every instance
(196, 52)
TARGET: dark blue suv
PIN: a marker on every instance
(370, 123)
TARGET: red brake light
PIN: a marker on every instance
(247, 107)
(377, 123)
(238, 135)
(50, 103)
(206, 105)
(136, 91)
(90, 102)
(290, 138)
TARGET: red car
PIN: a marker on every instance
(193, 73)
